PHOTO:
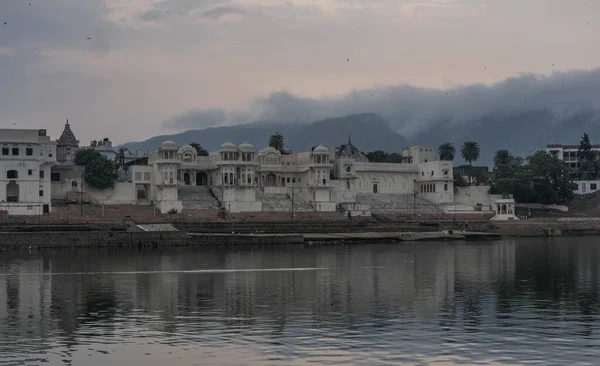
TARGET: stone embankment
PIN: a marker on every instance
(23, 236)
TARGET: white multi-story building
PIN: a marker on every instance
(26, 158)
(569, 154)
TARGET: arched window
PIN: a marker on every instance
(445, 187)
(243, 176)
(226, 178)
(231, 179)
(12, 174)
(74, 183)
(347, 185)
(348, 169)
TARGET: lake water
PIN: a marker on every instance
(499, 303)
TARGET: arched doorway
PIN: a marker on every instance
(186, 178)
(12, 191)
(201, 179)
(271, 180)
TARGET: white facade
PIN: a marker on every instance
(165, 163)
(419, 173)
(26, 157)
(317, 179)
(587, 186)
(569, 155)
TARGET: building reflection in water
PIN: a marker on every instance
(339, 287)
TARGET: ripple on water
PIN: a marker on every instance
(493, 303)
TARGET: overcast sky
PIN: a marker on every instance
(158, 66)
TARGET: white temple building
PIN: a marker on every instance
(242, 180)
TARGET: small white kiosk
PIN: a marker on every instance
(504, 209)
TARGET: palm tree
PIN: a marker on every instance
(120, 157)
(502, 157)
(120, 161)
(470, 152)
(276, 141)
(446, 151)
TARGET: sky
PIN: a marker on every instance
(132, 69)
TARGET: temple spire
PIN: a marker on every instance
(67, 121)
(349, 139)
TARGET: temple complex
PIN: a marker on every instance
(241, 178)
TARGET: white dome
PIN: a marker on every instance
(228, 146)
(321, 150)
(169, 144)
(187, 148)
(246, 147)
(268, 150)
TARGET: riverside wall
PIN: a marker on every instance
(38, 237)
(87, 239)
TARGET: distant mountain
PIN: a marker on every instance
(521, 133)
(368, 130)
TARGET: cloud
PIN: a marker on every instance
(412, 110)
(152, 15)
(7, 52)
(217, 13)
(196, 119)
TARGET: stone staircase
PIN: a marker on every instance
(197, 198)
(398, 203)
(282, 202)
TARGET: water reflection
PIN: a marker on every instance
(505, 302)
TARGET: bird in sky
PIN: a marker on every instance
(88, 38)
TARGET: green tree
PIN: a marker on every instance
(99, 170)
(446, 151)
(394, 158)
(506, 171)
(551, 179)
(120, 157)
(377, 156)
(276, 142)
(459, 180)
(470, 152)
(540, 178)
(502, 157)
(587, 159)
(199, 149)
